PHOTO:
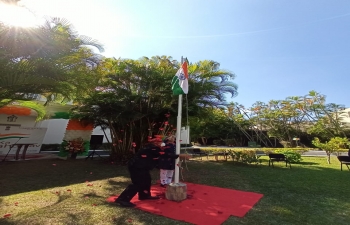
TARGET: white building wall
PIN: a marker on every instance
(24, 121)
(56, 129)
(345, 116)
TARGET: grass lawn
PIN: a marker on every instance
(53, 191)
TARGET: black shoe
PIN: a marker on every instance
(149, 198)
(124, 203)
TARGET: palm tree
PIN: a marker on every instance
(50, 60)
(135, 98)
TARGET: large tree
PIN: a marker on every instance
(134, 99)
(51, 60)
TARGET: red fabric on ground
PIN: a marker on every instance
(204, 205)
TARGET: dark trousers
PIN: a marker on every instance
(141, 184)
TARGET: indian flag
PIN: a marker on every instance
(179, 84)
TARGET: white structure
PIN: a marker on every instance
(16, 121)
(56, 129)
(344, 116)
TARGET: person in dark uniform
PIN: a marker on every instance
(139, 168)
(167, 161)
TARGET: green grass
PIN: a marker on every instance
(312, 192)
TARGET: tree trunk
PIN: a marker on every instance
(204, 140)
(328, 157)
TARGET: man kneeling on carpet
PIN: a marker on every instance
(139, 168)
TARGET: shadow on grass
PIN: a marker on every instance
(25, 176)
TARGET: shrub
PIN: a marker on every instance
(229, 142)
(292, 156)
(245, 156)
(218, 142)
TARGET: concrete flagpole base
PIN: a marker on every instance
(176, 192)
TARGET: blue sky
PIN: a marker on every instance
(276, 48)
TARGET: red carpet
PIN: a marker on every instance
(204, 205)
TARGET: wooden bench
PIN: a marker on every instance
(258, 154)
(273, 157)
(344, 160)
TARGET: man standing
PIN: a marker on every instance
(167, 161)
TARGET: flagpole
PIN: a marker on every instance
(178, 191)
(178, 137)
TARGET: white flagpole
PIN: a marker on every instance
(178, 137)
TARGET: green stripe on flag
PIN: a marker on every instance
(175, 86)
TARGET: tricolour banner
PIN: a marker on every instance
(14, 135)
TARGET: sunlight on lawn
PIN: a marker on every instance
(35, 192)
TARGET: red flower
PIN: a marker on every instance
(166, 123)
(161, 128)
(7, 215)
(69, 190)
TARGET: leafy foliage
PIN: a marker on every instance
(292, 156)
(51, 60)
(244, 156)
(134, 98)
(332, 145)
